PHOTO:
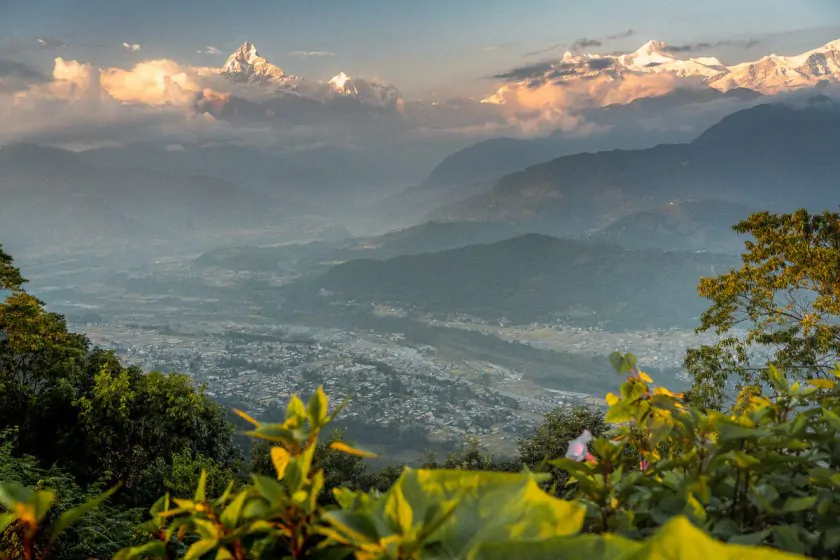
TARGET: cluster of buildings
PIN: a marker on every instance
(391, 386)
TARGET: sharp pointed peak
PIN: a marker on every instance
(653, 46)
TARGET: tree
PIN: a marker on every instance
(10, 277)
(787, 298)
(83, 411)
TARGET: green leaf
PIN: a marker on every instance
(74, 514)
(230, 515)
(344, 448)
(832, 419)
(592, 547)
(398, 511)
(793, 505)
(487, 507)
(623, 363)
(153, 549)
(678, 538)
(786, 537)
(5, 520)
(201, 490)
(318, 408)
(751, 539)
(269, 488)
(200, 548)
(295, 408)
(160, 506)
(777, 379)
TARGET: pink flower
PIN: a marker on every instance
(579, 447)
(644, 465)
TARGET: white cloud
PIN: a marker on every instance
(312, 53)
(133, 47)
(209, 50)
(543, 108)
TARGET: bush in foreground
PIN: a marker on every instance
(666, 481)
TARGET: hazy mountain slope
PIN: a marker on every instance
(52, 196)
(691, 225)
(534, 278)
(425, 238)
(773, 154)
(622, 126)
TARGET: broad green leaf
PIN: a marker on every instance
(751, 539)
(679, 539)
(623, 363)
(490, 507)
(5, 520)
(269, 488)
(584, 547)
(74, 514)
(793, 505)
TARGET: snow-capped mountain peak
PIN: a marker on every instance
(771, 74)
(340, 81)
(369, 92)
(246, 65)
(652, 47)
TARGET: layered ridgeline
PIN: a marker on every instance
(57, 198)
(532, 278)
(784, 157)
(621, 126)
(689, 225)
(429, 237)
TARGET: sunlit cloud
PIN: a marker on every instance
(209, 50)
(153, 82)
(133, 47)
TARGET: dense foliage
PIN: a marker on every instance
(425, 514)
(787, 298)
(73, 418)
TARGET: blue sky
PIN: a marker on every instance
(446, 46)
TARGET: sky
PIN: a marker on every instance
(430, 47)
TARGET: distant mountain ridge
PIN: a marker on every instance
(783, 156)
(533, 278)
(491, 159)
(689, 225)
(56, 198)
(770, 74)
(246, 66)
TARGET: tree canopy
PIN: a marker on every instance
(785, 298)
